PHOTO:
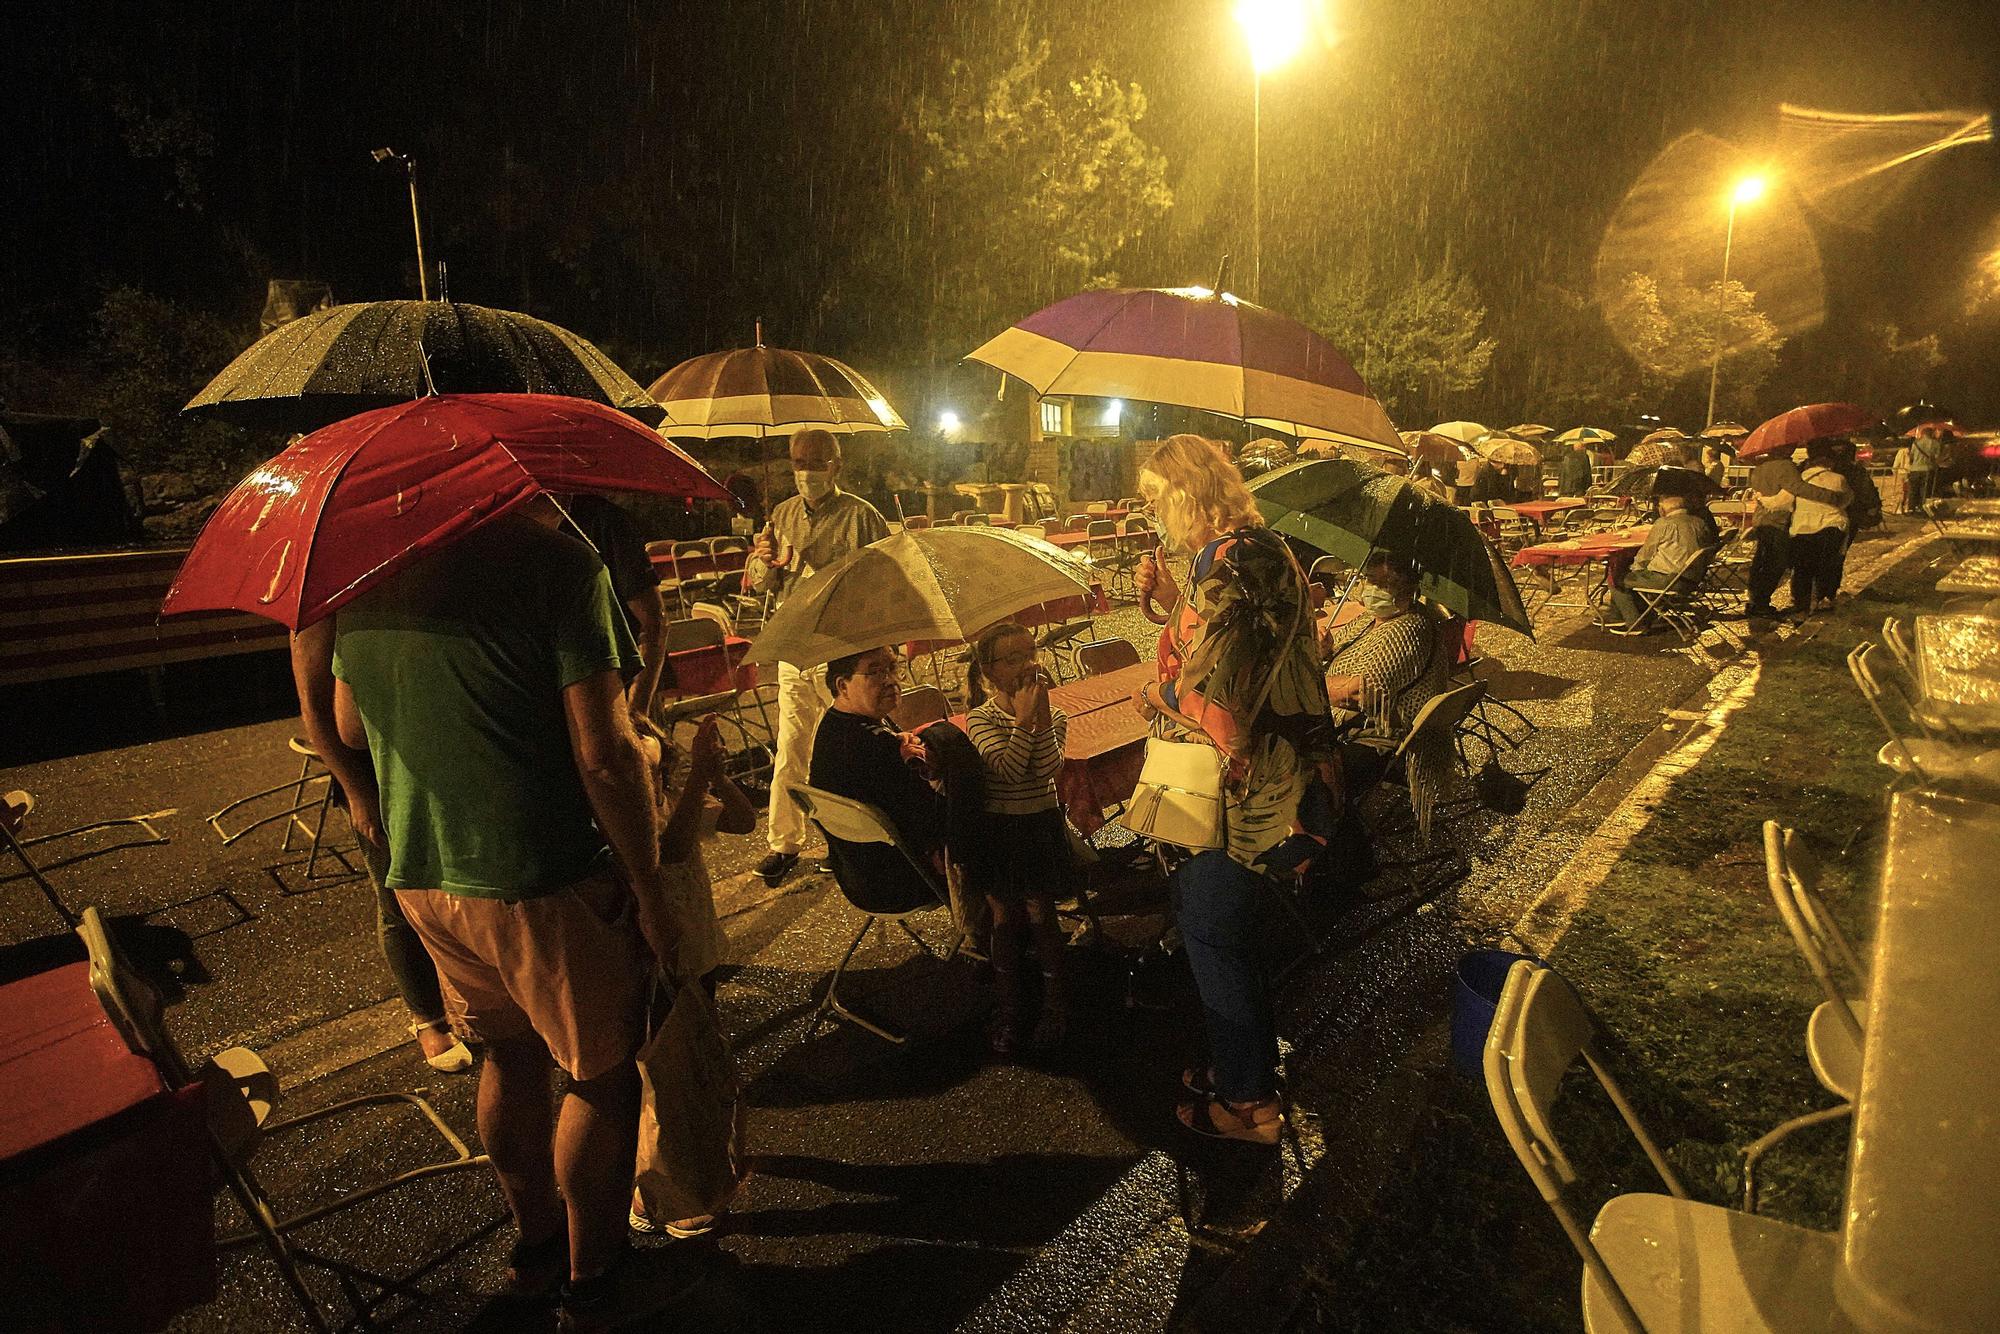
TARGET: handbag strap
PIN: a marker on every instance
(1291, 633)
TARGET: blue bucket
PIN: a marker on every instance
(1482, 975)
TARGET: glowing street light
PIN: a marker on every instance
(1746, 191)
(409, 166)
(948, 422)
(1275, 31)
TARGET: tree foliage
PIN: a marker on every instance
(1030, 181)
(1672, 330)
(1416, 339)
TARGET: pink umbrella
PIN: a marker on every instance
(1788, 430)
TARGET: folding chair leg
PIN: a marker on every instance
(14, 845)
(832, 1004)
(299, 803)
(1765, 1143)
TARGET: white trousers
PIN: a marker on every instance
(802, 699)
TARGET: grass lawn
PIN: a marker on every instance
(1703, 1000)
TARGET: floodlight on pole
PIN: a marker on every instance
(1748, 190)
(1275, 31)
(409, 166)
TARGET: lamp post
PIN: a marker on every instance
(409, 166)
(1275, 30)
(1748, 191)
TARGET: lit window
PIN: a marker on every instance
(1052, 416)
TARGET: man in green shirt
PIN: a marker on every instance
(486, 682)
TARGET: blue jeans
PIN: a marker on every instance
(1217, 902)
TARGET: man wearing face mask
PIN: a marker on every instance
(807, 532)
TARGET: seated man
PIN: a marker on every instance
(1676, 536)
(857, 753)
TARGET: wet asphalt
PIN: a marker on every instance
(922, 1187)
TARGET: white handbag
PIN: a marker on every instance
(1180, 798)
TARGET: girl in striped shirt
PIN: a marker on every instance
(1023, 856)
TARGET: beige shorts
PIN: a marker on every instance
(568, 967)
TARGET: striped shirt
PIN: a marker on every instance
(1021, 766)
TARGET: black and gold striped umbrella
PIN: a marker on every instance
(768, 391)
(335, 363)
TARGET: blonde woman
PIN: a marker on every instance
(1236, 629)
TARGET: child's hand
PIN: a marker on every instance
(705, 757)
(913, 748)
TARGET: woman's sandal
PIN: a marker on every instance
(453, 1060)
(1218, 1119)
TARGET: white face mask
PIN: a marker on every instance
(1380, 602)
(815, 484)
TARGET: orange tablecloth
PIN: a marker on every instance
(1538, 511)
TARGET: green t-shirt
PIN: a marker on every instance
(458, 665)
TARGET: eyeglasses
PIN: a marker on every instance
(878, 673)
(1029, 656)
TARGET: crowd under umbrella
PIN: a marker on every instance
(353, 503)
(1506, 449)
(1589, 435)
(1466, 433)
(1790, 429)
(1192, 347)
(1652, 452)
(924, 584)
(1665, 479)
(1530, 430)
(1430, 447)
(1347, 510)
(1724, 431)
(334, 363)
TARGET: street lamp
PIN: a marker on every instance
(1275, 30)
(1747, 191)
(409, 166)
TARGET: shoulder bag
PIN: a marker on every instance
(1179, 799)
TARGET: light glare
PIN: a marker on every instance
(948, 421)
(1749, 190)
(1275, 29)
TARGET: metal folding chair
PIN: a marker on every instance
(21, 804)
(242, 1094)
(294, 815)
(1099, 656)
(916, 889)
(1652, 1262)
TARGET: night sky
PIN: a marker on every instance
(656, 176)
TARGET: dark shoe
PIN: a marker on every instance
(777, 866)
(635, 1285)
(1258, 1123)
(537, 1270)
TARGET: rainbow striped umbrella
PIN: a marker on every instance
(1194, 348)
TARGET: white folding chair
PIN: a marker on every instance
(1834, 1033)
(1652, 1263)
(1928, 760)
(13, 826)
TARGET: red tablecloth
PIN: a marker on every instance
(713, 668)
(1615, 549)
(1538, 511)
(1102, 750)
(106, 1208)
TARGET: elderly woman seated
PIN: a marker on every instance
(857, 753)
(1381, 670)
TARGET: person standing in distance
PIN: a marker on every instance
(807, 532)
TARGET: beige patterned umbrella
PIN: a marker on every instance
(931, 584)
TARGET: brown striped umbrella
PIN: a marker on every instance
(763, 391)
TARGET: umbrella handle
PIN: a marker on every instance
(1146, 602)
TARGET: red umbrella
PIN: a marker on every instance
(354, 502)
(1788, 430)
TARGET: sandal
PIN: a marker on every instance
(1218, 1119)
(453, 1060)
